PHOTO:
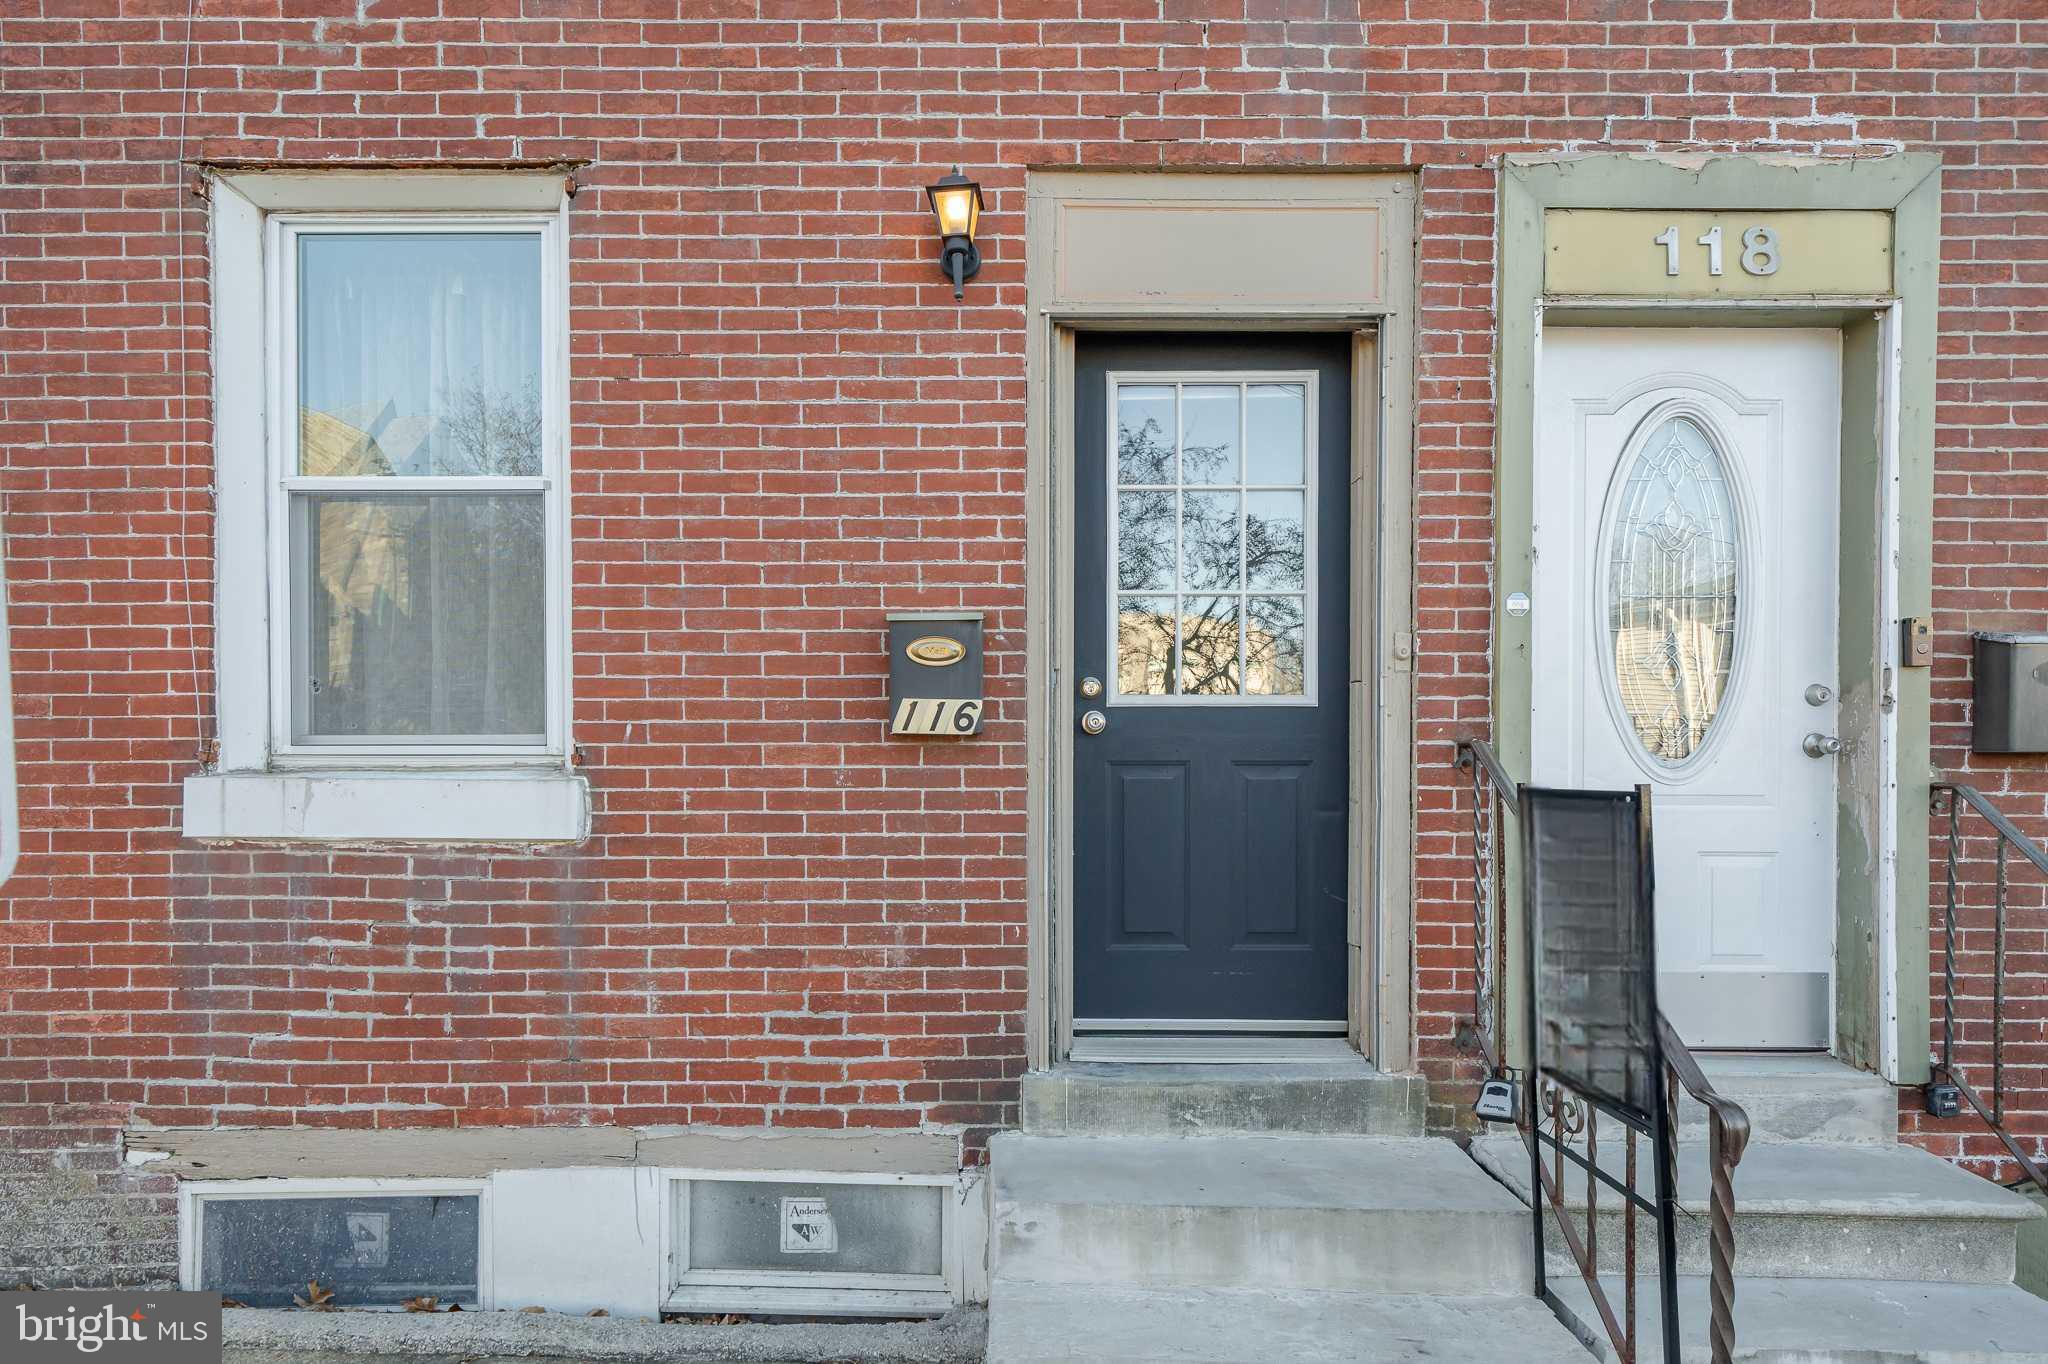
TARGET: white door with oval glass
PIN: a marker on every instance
(1684, 625)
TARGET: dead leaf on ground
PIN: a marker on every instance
(597, 1312)
(317, 1299)
(425, 1302)
(533, 1309)
(455, 1307)
(232, 1302)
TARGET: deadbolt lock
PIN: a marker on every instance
(1818, 695)
(1091, 687)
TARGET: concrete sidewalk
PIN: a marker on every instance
(261, 1336)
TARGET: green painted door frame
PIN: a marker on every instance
(1888, 359)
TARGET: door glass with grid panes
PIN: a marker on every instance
(415, 493)
(1211, 547)
(1213, 520)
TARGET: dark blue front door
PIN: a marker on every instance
(1211, 612)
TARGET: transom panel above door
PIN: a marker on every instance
(1685, 637)
(1211, 759)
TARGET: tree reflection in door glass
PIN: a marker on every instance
(1273, 652)
(1144, 540)
(1209, 541)
(1208, 433)
(1212, 504)
(1145, 649)
(1275, 542)
(1208, 646)
(1144, 434)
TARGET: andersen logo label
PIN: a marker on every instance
(119, 1328)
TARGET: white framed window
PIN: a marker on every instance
(1212, 538)
(808, 1242)
(416, 485)
(372, 1242)
(390, 428)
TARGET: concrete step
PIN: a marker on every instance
(1830, 1321)
(1813, 1210)
(1794, 1097)
(1380, 1214)
(1346, 1098)
(1031, 1323)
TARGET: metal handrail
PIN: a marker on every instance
(1478, 752)
(1727, 1139)
(1495, 797)
(1959, 795)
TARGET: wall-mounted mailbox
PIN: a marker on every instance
(2010, 710)
(935, 674)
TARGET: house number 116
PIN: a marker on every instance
(1759, 250)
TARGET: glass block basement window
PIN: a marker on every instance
(371, 1251)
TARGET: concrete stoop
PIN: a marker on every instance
(1854, 1321)
(1815, 1210)
(1848, 1246)
(1229, 1214)
(1288, 1098)
(1358, 1214)
(1033, 1323)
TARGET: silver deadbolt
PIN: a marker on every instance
(1818, 695)
(1820, 745)
(1094, 722)
(1091, 687)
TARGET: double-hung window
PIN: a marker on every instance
(414, 487)
(389, 436)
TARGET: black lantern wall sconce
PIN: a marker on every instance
(956, 203)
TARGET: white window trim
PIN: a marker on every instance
(262, 789)
(283, 233)
(195, 1194)
(963, 1236)
(1311, 468)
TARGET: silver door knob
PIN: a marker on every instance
(1094, 722)
(1821, 745)
(1818, 695)
(1091, 687)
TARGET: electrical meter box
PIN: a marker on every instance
(935, 674)
(2010, 709)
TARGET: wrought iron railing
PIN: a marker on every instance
(1555, 1122)
(1494, 802)
(1951, 799)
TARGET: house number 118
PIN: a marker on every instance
(1759, 250)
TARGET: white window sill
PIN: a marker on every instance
(394, 807)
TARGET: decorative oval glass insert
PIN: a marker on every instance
(1673, 586)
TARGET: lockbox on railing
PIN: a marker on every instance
(2010, 708)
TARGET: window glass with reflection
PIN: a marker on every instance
(416, 507)
(1211, 535)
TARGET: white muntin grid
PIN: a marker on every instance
(1244, 381)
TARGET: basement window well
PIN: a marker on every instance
(797, 1242)
(376, 1245)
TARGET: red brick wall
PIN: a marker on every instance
(782, 428)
